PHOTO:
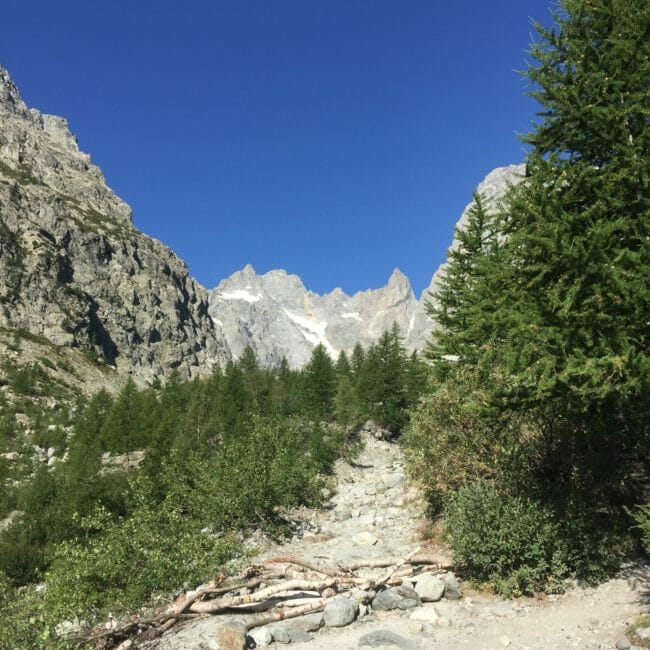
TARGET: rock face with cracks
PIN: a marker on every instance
(75, 272)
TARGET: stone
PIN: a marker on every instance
(383, 638)
(643, 633)
(386, 600)
(340, 612)
(289, 632)
(623, 644)
(311, 622)
(443, 621)
(402, 597)
(452, 587)
(231, 635)
(505, 641)
(262, 636)
(424, 614)
(365, 538)
(429, 588)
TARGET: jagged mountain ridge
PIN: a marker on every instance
(277, 316)
(75, 272)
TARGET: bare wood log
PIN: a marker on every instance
(273, 617)
(213, 606)
(382, 564)
(319, 568)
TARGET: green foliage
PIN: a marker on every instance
(453, 305)
(641, 517)
(545, 310)
(319, 384)
(451, 440)
(519, 546)
(128, 560)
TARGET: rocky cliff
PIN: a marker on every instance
(75, 273)
(491, 188)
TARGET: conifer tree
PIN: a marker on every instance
(357, 359)
(565, 308)
(454, 305)
(343, 367)
(319, 384)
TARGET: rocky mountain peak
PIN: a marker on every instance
(398, 283)
(10, 99)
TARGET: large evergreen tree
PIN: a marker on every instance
(565, 308)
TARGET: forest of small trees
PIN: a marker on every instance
(222, 454)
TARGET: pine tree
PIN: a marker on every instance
(358, 357)
(454, 305)
(570, 296)
(319, 384)
(343, 367)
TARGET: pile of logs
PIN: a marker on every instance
(280, 588)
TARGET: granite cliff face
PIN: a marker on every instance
(277, 316)
(74, 271)
(491, 188)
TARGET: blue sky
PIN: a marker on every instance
(335, 139)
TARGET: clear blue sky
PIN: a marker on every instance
(337, 139)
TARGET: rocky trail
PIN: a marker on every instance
(373, 515)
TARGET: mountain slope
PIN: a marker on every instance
(75, 274)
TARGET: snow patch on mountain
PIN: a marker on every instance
(239, 294)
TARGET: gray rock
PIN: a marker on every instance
(262, 636)
(623, 644)
(289, 632)
(452, 587)
(403, 597)
(231, 635)
(383, 638)
(429, 588)
(340, 612)
(311, 622)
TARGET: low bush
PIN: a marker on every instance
(455, 439)
(519, 546)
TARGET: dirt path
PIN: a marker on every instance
(375, 514)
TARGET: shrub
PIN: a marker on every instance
(454, 439)
(128, 560)
(642, 518)
(519, 546)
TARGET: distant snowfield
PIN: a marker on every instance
(239, 294)
(313, 331)
(352, 314)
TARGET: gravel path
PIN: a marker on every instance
(375, 514)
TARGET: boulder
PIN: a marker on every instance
(340, 612)
(452, 587)
(429, 588)
(403, 597)
(384, 638)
